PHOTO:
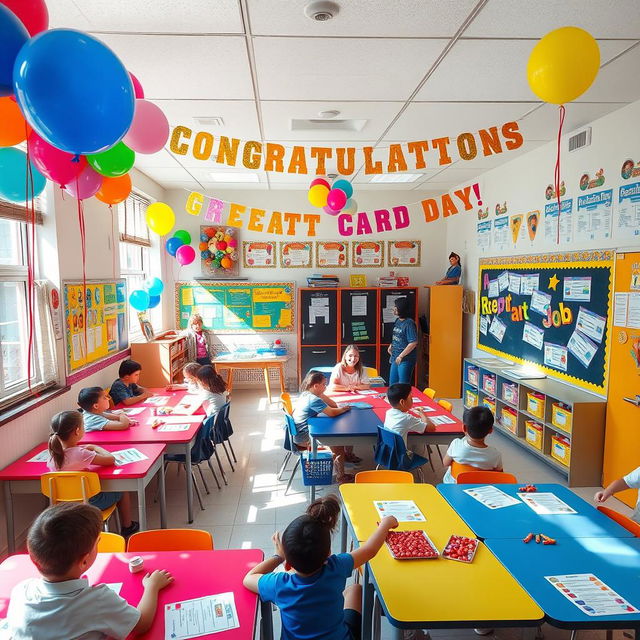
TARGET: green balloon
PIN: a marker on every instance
(185, 236)
(113, 162)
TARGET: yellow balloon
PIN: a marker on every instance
(318, 195)
(563, 65)
(160, 218)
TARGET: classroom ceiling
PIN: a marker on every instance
(411, 69)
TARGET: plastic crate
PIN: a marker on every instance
(533, 434)
(561, 449)
(509, 419)
(489, 403)
(473, 376)
(489, 383)
(317, 470)
(470, 398)
(535, 404)
(561, 416)
(510, 392)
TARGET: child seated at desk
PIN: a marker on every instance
(471, 448)
(63, 544)
(349, 374)
(399, 420)
(630, 481)
(213, 389)
(311, 402)
(66, 454)
(126, 390)
(190, 380)
(94, 403)
(311, 592)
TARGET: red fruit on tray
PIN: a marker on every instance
(411, 545)
(460, 548)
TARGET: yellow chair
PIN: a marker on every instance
(74, 486)
(385, 476)
(429, 392)
(108, 392)
(371, 372)
(445, 404)
(111, 543)
(486, 477)
(287, 405)
(171, 540)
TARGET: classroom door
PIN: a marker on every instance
(358, 315)
(318, 317)
(622, 435)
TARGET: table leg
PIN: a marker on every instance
(343, 533)
(229, 379)
(281, 369)
(8, 512)
(314, 452)
(367, 604)
(267, 384)
(163, 497)
(142, 505)
(266, 621)
(187, 450)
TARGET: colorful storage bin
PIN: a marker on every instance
(489, 383)
(510, 392)
(473, 376)
(509, 419)
(470, 398)
(561, 449)
(491, 404)
(561, 416)
(535, 404)
(533, 433)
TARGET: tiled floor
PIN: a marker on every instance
(246, 512)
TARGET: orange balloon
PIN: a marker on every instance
(13, 128)
(203, 246)
(226, 263)
(114, 190)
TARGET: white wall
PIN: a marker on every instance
(522, 182)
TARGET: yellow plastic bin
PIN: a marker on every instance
(509, 419)
(470, 398)
(561, 416)
(561, 449)
(491, 404)
(535, 404)
(533, 433)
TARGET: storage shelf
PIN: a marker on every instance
(562, 432)
(530, 415)
(508, 404)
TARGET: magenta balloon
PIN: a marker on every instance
(149, 130)
(58, 166)
(185, 254)
(138, 91)
(336, 199)
(320, 181)
(330, 211)
(86, 185)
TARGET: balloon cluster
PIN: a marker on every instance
(83, 115)
(332, 199)
(179, 246)
(149, 296)
(218, 248)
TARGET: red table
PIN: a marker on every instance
(196, 574)
(175, 441)
(22, 477)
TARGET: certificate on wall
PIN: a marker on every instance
(564, 220)
(501, 234)
(593, 216)
(259, 254)
(404, 253)
(296, 254)
(367, 254)
(628, 219)
(331, 254)
(483, 236)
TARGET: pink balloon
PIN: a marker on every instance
(54, 164)
(321, 181)
(138, 91)
(185, 254)
(330, 211)
(336, 199)
(149, 130)
(32, 13)
(86, 185)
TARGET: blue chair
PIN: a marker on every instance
(391, 452)
(219, 434)
(228, 431)
(326, 371)
(291, 448)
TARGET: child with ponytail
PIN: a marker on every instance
(311, 592)
(67, 429)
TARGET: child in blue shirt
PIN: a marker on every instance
(126, 390)
(310, 593)
(93, 403)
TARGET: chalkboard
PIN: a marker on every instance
(550, 310)
(237, 307)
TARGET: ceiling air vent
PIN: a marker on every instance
(322, 124)
(580, 139)
(214, 121)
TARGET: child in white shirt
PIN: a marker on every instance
(630, 481)
(189, 376)
(213, 389)
(349, 374)
(471, 449)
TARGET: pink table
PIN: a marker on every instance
(196, 574)
(22, 477)
(175, 441)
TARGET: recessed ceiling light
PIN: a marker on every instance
(234, 177)
(396, 177)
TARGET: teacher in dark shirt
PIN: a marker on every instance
(453, 272)
(403, 344)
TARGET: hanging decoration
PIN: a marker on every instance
(332, 199)
(219, 251)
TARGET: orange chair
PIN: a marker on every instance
(430, 393)
(287, 405)
(486, 477)
(445, 404)
(111, 543)
(457, 469)
(385, 476)
(623, 521)
(171, 540)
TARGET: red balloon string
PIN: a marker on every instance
(30, 244)
(83, 247)
(557, 169)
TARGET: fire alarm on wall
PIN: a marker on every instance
(321, 10)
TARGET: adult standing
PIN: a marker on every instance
(403, 343)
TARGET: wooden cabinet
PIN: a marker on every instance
(162, 360)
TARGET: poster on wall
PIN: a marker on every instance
(484, 235)
(403, 253)
(593, 216)
(219, 251)
(517, 226)
(258, 254)
(331, 254)
(533, 223)
(501, 234)
(296, 254)
(589, 181)
(630, 169)
(55, 307)
(553, 220)
(367, 254)
(628, 218)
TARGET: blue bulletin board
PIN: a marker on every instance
(549, 310)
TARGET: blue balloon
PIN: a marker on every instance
(139, 300)
(12, 36)
(343, 185)
(204, 237)
(13, 176)
(153, 286)
(154, 301)
(205, 254)
(74, 91)
(172, 245)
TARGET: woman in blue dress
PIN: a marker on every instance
(402, 350)
(453, 272)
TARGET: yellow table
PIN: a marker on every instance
(437, 593)
(257, 362)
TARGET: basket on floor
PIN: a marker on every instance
(317, 470)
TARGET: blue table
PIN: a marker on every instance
(615, 561)
(519, 520)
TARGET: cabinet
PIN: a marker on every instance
(526, 411)
(331, 319)
(162, 359)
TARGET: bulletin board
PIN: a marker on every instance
(237, 307)
(99, 328)
(549, 310)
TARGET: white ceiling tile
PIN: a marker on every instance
(421, 18)
(66, 14)
(338, 69)
(486, 70)
(160, 174)
(161, 160)
(616, 81)
(203, 67)
(506, 18)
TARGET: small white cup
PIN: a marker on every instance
(136, 564)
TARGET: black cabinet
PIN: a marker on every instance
(358, 316)
(318, 316)
(387, 319)
(311, 357)
(384, 365)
